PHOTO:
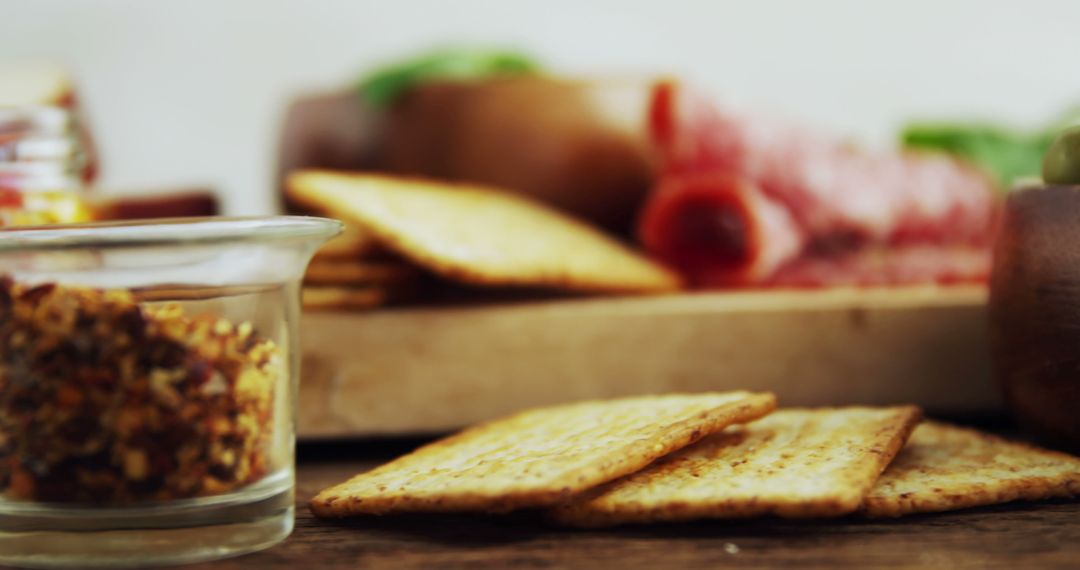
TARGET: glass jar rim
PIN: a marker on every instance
(214, 230)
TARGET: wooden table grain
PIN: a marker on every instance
(1044, 535)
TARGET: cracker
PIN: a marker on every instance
(793, 463)
(351, 243)
(481, 236)
(540, 457)
(324, 298)
(350, 272)
(944, 467)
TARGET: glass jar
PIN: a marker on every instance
(147, 388)
(1033, 312)
(46, 160)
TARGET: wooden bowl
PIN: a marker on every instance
(1035, 312)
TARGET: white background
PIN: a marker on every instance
(192, 91)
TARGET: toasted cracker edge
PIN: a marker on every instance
(1026, 489)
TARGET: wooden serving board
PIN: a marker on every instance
(426, 370)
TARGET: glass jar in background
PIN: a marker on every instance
(46, 163)
(1033, 318)
(147, 388)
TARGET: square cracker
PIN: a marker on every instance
(793, 463)
(540, 457)
(352, 243)
(944, 467)
(479, 235)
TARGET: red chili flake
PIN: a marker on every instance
(104, 400)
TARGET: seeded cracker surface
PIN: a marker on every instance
(104, 400)
(793, 463)
(539, 457)
(945, 467)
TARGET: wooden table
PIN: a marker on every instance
(1044, 535)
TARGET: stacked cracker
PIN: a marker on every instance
(401, 228)
(353, 272)
(716, 455)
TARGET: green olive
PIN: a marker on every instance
(1061, 165)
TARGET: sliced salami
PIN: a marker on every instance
(745, 200)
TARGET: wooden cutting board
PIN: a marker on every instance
(426, 370)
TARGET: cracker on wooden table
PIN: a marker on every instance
(792, 463)
(945, 467)
(479, 235)
(539, 457)
(358, 272)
